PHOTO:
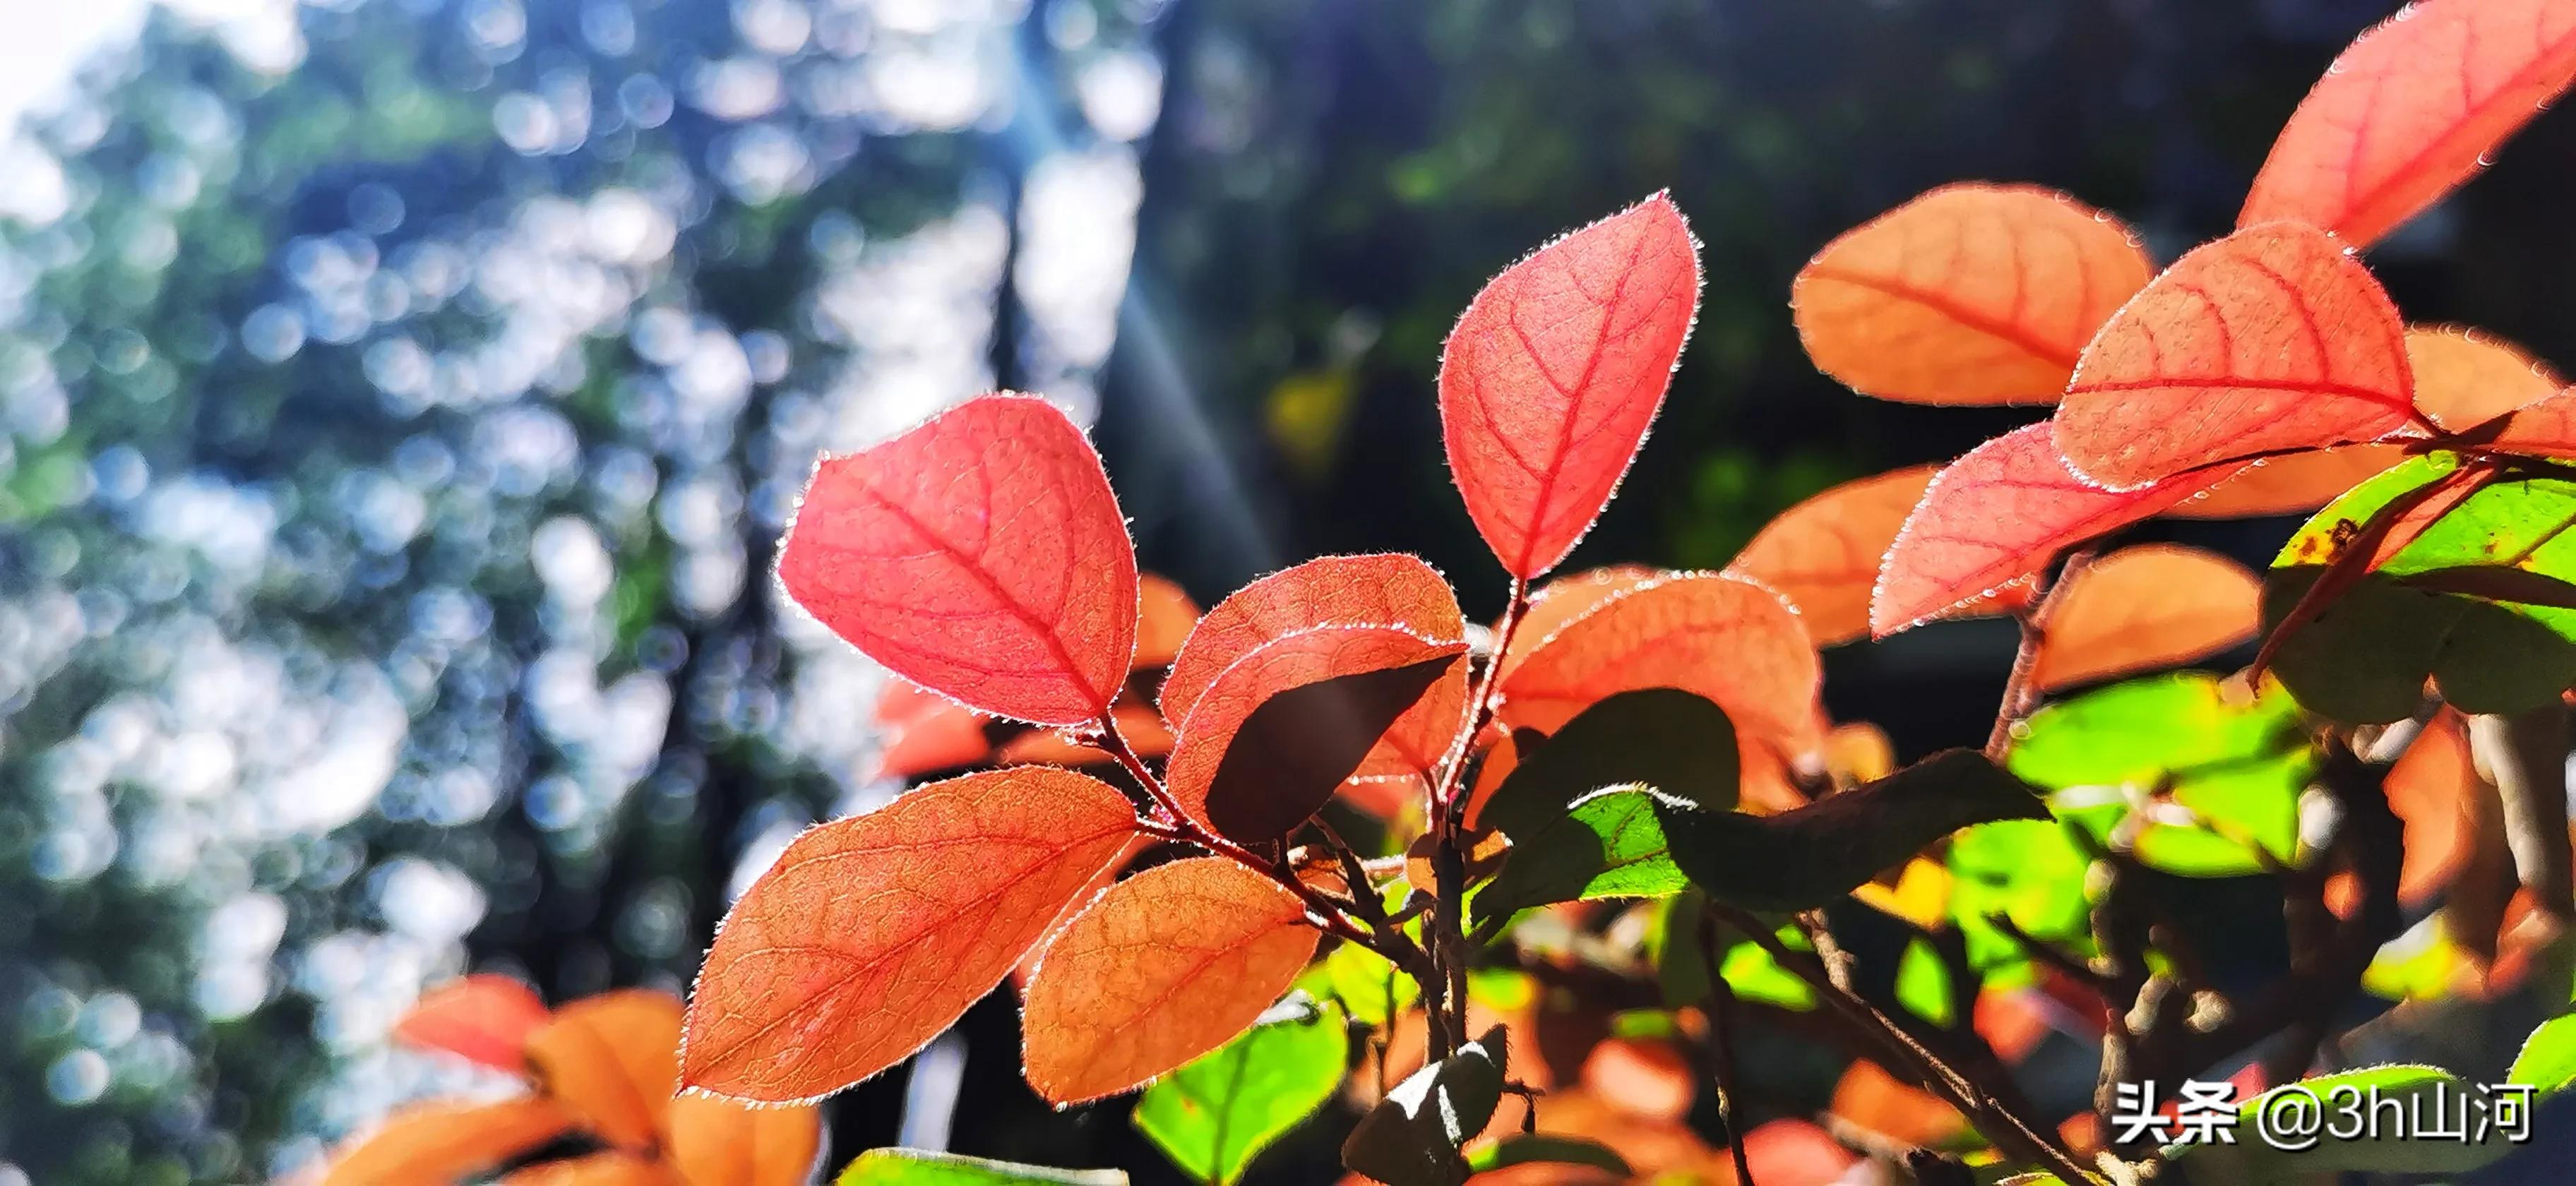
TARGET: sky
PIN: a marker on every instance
(49, 40)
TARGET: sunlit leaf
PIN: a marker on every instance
(1801, 859)
(447, 1142)
(2028, 871)
(2435, 791)
(917, 1167)
(1823, 554)
(718, 1142)
(1165, 615)
(1167, 966)
(1723, 637)
(1791, 1150)
(921, 732)
(2150, 606)
(2465, 377)
(615, 1167)
(613, 1059)
(2270, 339)
(1548, 1149)
(1214, 1115)
(1412, 1137)
(1142, 727)
(1681, 961)
(1277, 734)
(1899, 1111)
(1644, 1076)
(2411, 110)
(981, 555)
(2235, 763)
(814, 983)
(1608, 844)
(1566, 598)
(1552, 375)
(1969, 294)
(1666, 738)
(2547, 1062)
(1994, 518)
(1368, 985)
(2291, 485)
(485, 1018)
(2542, 428)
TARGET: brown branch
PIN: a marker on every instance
(2020, 694)
(1721, 1028)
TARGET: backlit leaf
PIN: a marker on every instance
(1608, 844)
(1902, 1112)
(1166, 966)
(2150, 606)
(1280, 730)
(2465, 377)
(2543, 428)
(1645, 1076)
(2270, 339)
(1367, 984)
(1723, 637)
(1548, 1149)
(871, 934)
(1142, 727)
(616, 1167)
(980, 555)
(1969, 294)
(613, 1059)
(2435, 791)
(1995, 517)
(1569, 597)
(2029, 871)
(2547, 1063)
(1666, 738)
(1553, 373)
(1801, 859)
(919, 1167)
(920, 732)
(1214, 1115)
(717, 1142)
(2290, 485)
(443, 1142)
(1823, 554)
(1790, 1150)
(2411, 110)
(485, 1018)
(1165, 616)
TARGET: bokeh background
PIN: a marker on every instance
(399, 401)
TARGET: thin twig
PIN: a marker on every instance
(2021, 693)
(1721, 1029)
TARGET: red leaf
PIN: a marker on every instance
(1385, 589)
(2271, 339)
(920, 732)
(2291, 485)
(871, 934)
(1566, 598)
(1727, 638)
(1901, 1112)
(1143, 730)
(2145, 607)
(1994, 518)
(722, 1143)
(2544, 429)
(1552, 375)
(1280, 730)
(485, 1018)
(2411, 110)
(614, 1060)
(1166, 966)
(1969, 294)
(980, 555)
(1646, 1079)
(1823, 554)
(445, 1142)
(1790, 1152)
(2465, 378)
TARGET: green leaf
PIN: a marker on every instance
(2440, 607)
(1682, 968)
(1526, 1148)
(1608, 844)
(1212, 1116)
(1923, 983)
(2030, 872)
(1801, 859)
(2238, 764)
(919, 1167)
(1674, 741)
(2547, 1063)
(1412, 1137)
(2380, 1147)
(1368, 985)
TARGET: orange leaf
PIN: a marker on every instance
(2546, 428)
(980, 555)
(1164, 617)
(1385, 589)
(1823, 554)
(1142, 727)
(1995, 517)
(446, 1142)
(871, 934)
(1552, 375)
(2464, 377)
(485, 1018)
(1969, 294)
(1280, 730)
(921, 731)
(612, 1168)
(2269, 340)
(1656, 1150)
(1905, 1114)
(1166, 966)
(2411, 110)
(1789, 1152)
(1727, 638)
(1566, 598)
(722, 1143)
(614, 1060)
(2291, 485)
(2434, 788)
(1646, 1079)
(2150, 606)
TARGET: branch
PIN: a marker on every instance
(1721, 1028)
(2020, 697)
